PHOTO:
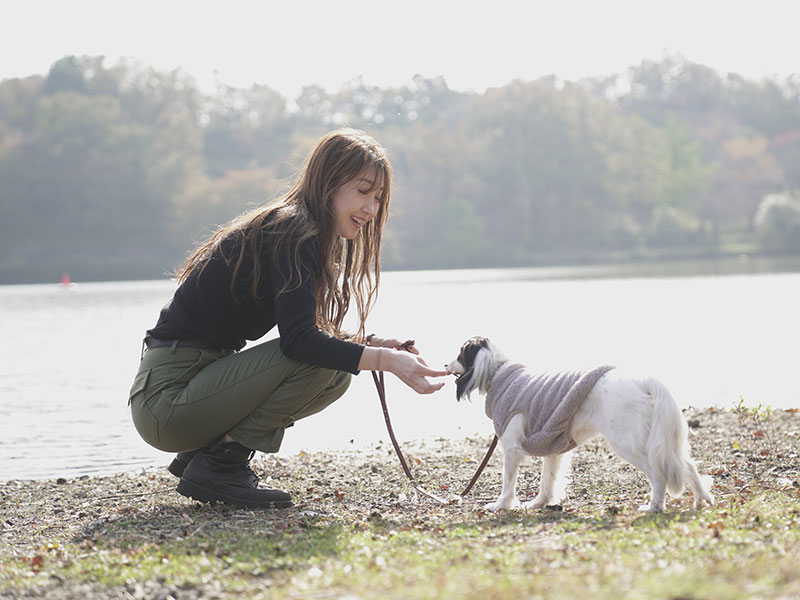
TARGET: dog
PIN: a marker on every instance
(638, 417)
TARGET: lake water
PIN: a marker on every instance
(713, 331)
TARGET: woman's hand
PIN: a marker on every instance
(410, 368)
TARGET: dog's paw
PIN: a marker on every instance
(650, 508)
(502, 505)
(538, 502)
(708, 498)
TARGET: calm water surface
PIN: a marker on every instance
(713, 331)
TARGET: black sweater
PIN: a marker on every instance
(203, 308)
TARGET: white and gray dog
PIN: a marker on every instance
(549, 415)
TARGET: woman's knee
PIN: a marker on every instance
(334, 389)
(341, 382)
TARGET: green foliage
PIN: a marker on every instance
(669, 227)
(114, 171)
(777, 223)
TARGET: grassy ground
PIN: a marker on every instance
(359, 531)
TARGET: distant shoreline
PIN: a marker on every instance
(651, 263)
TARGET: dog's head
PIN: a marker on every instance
(474, 367)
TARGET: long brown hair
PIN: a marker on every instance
(348, 269)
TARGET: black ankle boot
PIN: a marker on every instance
(180, 462)
(221, 473)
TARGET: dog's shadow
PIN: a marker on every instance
(612, 517)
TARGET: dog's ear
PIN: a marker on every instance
(464, 384)
(484, 367)
(470, 350)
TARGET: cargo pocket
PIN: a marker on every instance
(143, 420)
(139, 384)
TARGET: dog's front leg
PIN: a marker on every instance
(512, 457)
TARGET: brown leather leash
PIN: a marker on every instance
(379, 383)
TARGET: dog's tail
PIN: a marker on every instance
(667, 447)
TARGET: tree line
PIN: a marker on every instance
(116, 171)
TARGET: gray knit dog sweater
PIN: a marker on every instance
(549, 401)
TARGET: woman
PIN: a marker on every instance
(298, 263)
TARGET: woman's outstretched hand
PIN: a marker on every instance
(413, 371)
(403, 360)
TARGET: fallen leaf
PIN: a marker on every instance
(36, 563)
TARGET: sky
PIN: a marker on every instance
(474, 46)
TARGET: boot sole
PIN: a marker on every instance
(202, 494)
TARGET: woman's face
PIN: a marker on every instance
(357, 202)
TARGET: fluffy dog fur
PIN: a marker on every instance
(639, 419)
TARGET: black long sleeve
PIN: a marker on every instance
(203, 308)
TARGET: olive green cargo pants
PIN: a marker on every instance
(185, 398)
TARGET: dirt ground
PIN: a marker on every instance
(739, 451)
